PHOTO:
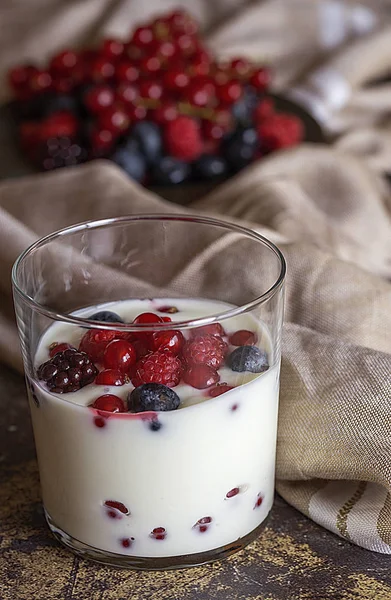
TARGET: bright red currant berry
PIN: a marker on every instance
(101, 141)
(150, 65)
(221, 76)
(136, 113)
(232, 493)
(112, 48)
(126, 72)
(175, 80)
(127, 93)
(64, 62)
(59, 124)
(132, 52)
(215, 329)
(242, 338)
(200, 64)
(159, 533)
(102, 69)
(212, 131)
(63, 85)
(56, 348)
(200, 376)
(127, 542)
(94, 342)
(119, 354)
(186, 44)
(142, 37)
(168, 340)
(168, 111)
(240, 66)
(219, 389)
(151, 89)
(19, 77)
(99, 98)
(109, 403)
(198, 94)
(261, 79)
(166, 319)
(40, 81)
(165, 49)
(229, 92)
(110, 377)
(114, 118)
(258, 501)
(119, 506)
(203, 524)
(147, 317)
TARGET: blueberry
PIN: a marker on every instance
(238, 154)
(149, 137)
(106, 316)
(170, 170)
(210, 166)
(152, 396)
(131, 161)
(248, 358)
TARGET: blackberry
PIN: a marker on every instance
(106, 316)
(60, 152)
(152, 396)
(67, 371)
(248, 358)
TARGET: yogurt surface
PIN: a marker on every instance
(201, 480)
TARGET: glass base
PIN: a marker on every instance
(150, 563)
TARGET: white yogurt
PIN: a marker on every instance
(170, 478)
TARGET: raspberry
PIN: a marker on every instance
(205, 350)
(67, 371)
(94, 342)
(280, 131)
(183, 139)
(158, 367)
(263, 110)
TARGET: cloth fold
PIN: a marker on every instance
(328, 213)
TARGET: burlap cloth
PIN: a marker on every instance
(328, 208)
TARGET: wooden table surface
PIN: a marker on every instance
(293, 559)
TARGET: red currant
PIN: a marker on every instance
(264, 110)
(110, 377)
(136, 113)
(126, 72)
(113, 49)
(56, 348)
(165, 49)
(19, 77)
(181, 21)
(101, 141)
(175, 80)
(240, 66)
(147, 317)
(201, 376)
(119, 354)
(260, 79)
(63, 85)
(64, 62)
(151, 89)
(102, 69)
(127, 93)
(59, 124)
(168, 340)
(213, 131)
(142, 37)
(167, 111)
(215, 329)
(219, 389)
(221, 76)
(94, 342)
(150, 65)
(223, 117)
(200, 64)
(242, 338)
(133, 52)
(114, 118)
(186, 44)
(40, 81)
(229, 92)
(99, 98)
(109, 403)
(197, 93)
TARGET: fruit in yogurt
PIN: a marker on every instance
(185, 431)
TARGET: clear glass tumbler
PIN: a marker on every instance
(151, 347)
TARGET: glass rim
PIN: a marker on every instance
(188, 324)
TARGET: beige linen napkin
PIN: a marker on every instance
(333, 438)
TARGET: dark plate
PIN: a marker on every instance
(12, 163)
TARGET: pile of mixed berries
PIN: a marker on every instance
(158, 104)
(154, 363)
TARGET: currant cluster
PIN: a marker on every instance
(158, 104)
